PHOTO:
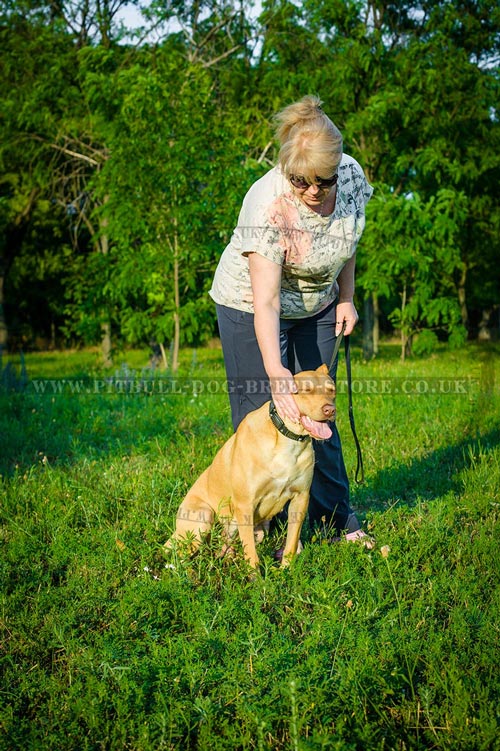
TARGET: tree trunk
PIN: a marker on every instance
(177, 305)
(106, 343)
(368, 322)
(164, 357)
(484, 333)
(404, 338)
(376, 324)
(175, 344)
(371, 326)
(462, 299)
(4, 333)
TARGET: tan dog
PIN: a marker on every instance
(265, 464)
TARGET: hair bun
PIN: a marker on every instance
(301, 113)
(309, 106)
(310, 143)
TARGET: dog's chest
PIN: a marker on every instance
(287, 476)
(292, 465)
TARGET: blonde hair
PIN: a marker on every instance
(311, 145)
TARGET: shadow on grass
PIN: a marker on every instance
(63, 430)
(63, 420)
(424, 478)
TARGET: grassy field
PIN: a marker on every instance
(104, 648)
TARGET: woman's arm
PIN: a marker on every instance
(265, 276)
(345, 306)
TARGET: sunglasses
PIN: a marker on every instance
(322, 182)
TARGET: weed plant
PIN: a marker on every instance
(103, 647)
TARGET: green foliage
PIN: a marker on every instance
(134, 159)
(412, 249)
(34, 242)
(104, 647)
(425, 343)
(161, 212)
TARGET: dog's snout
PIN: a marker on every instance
(329, 410)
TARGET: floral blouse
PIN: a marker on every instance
(311, 249)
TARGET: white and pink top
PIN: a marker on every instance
(311, 249)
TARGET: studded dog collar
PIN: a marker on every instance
(282, 428)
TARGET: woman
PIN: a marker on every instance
(285, 284)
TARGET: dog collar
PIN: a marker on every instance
(281, 427)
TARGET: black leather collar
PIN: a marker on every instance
(282, 428)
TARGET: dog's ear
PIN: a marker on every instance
(323, 369)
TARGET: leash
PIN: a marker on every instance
(360, 473)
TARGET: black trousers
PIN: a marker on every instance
(305, 344)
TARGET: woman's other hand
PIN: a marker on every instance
(348, 313)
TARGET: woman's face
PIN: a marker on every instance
(316, 193)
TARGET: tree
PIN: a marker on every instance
(165, 181)
(51, 145)
(417, 107)
(35, 88)
(412, 253)
(91, 129)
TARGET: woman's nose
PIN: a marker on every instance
(314, 189)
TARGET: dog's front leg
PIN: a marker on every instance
(297, 511)
(245, 521)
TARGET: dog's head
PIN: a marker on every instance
(315, 398)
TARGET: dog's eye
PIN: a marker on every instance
(305, 386)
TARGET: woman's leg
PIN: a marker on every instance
(310, 344)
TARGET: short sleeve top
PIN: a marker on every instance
(311, 249)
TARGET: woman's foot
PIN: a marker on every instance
(360, 536)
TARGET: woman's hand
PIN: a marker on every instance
(348, 313)
(345, 306)
(282, 388)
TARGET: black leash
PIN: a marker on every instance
(360, 473)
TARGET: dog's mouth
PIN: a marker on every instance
(319, 430)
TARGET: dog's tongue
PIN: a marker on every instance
(319, 430)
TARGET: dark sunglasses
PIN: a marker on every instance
(322, 182)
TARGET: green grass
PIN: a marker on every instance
(104, 648)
